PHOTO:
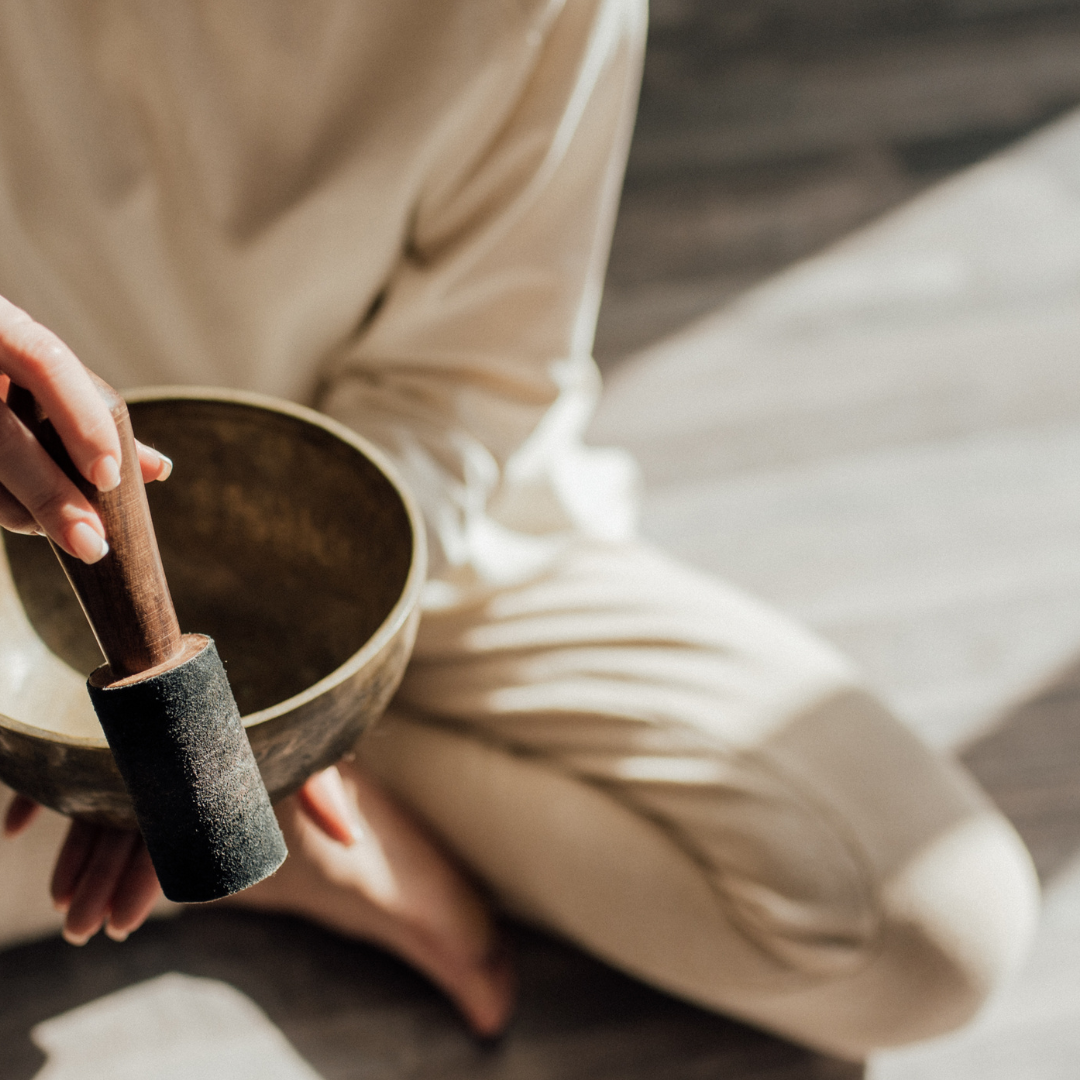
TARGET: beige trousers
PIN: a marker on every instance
(657, 767)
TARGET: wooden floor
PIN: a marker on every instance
(883, 440)
(346, 1011)
(769, 128)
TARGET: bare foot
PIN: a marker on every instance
(359, 864)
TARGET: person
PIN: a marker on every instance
(400, 214)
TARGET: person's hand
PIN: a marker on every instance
(103, 876)
(358, 863)
(35, 495)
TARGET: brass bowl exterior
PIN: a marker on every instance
(287, 538)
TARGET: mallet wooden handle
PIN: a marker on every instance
(125, 595)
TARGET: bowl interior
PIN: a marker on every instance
(280, 540)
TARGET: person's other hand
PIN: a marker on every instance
(103, 876)
(35, 495)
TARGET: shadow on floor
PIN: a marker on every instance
(352, 1011)
(1030, 765)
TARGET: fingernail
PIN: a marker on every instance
(114, 934)
(166, 467)
(105, 473)
(86, 543)
(75, 939)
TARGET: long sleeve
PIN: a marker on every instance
(218, 194)
(474, 370)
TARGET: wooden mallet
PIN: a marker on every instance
(162, 697)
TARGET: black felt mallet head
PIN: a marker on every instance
(163, 698)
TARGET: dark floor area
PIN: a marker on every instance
(770, 128)
(1029, 762)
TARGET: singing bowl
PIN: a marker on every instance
(287, 538)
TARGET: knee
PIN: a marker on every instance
(956, 923)
(972, 900)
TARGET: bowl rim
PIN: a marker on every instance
(387, 629)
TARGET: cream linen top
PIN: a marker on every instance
(398, 212)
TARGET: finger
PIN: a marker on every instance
(72, 860)
(35, 358)
(97, 885)
(14, 516)
(37, 483)
(324, 801)
(153, 463)
(20, 812)
(136, 894)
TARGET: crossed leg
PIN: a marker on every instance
(646, 761)
(683, 782)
